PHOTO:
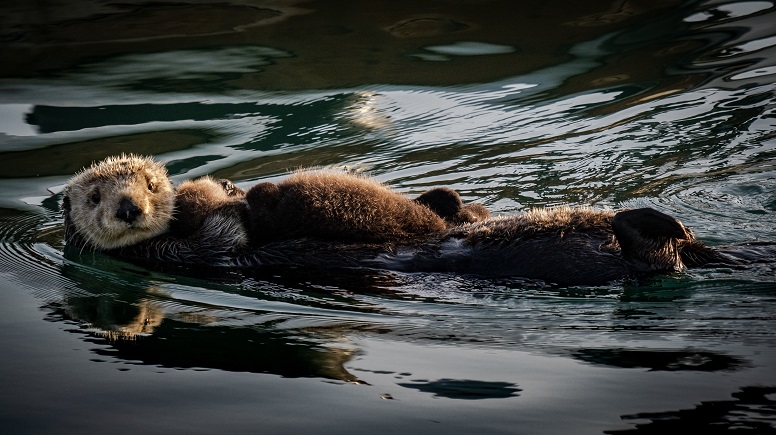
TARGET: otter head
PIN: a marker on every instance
(119, 201)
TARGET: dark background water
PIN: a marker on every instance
(611, 104)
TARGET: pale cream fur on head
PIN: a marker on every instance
(93, 196)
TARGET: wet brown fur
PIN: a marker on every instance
(558, 221)
(316, 204)
(197, 199)
(330, 219)
(446, 203)
(578, 245)
(336, 206)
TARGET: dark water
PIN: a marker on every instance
(623, 104)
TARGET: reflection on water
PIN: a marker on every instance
(752, 411)
(611, 104)
(659, 359)
(177, 344)
(465, 389)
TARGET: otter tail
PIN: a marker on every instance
(738, 255)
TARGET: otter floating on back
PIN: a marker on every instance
(296, 227)
(125, 201)
(564, 245)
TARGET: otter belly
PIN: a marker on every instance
(569, 258)
(567, 247)
(573, 260)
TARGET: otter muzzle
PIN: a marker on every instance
(128, 211)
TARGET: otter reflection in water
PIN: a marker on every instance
(142, 324)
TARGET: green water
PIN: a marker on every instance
(668, 105)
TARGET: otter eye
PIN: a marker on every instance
(152, 186)
(95, 197)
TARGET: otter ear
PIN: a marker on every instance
(66, 204)
(633, 226)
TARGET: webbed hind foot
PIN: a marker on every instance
(650, 237)
(649, 223)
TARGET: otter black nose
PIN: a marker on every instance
(128, 211)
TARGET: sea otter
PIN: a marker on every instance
(124, 200)
(568, 246)
(563, 245)
(343, 207)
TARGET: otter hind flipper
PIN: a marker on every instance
(650, 238)
(649, 223)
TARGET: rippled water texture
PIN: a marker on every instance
(514, 104)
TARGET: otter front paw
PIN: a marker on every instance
(229, 187)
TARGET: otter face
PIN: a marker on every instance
(120, 201)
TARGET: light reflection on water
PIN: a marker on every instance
(694, 139)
